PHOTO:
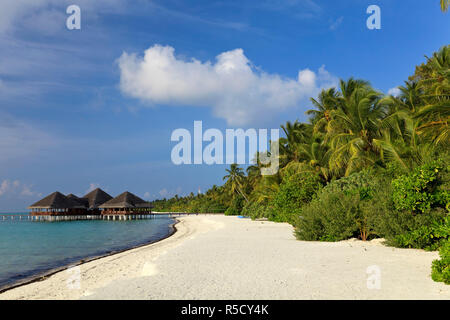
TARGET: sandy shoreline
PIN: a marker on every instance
(219, 257)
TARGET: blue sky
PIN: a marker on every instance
(84, 108)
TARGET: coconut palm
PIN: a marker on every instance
(316, 156)
(295, 133)
(348, 87)
(354, 126)
(407, 149)
(266, 190)
(434, 114)
(434, 76)
(409, 99)
(326, 102)
(235, 179)
(434, 122)
(254, 173)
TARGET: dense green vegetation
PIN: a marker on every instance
(366, 165)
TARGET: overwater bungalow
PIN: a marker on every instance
(57, 204)
(95, 199)
(126, 204)
(95, 202)
(82, 201)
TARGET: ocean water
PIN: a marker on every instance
(29, 248)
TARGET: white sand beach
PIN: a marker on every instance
(219, 257)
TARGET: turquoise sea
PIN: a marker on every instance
(29, 248)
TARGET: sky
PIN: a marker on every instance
(96, 107)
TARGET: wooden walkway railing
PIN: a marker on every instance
(112, 217)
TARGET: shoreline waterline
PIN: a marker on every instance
(48, 273)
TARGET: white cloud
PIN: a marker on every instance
(164, 193)
(394, 92)
(234, 89)
(4, 187)
(17, 13)
(30, 66)
(26, 191)
(14, 188)
(92, 187)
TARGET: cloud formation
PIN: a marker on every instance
(36, 13)
(92, 187)
(14, 188)
(394, 92)
(164, 193)
(236, 90)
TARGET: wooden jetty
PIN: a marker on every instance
(110, 217)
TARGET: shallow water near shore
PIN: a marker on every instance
(30, 248)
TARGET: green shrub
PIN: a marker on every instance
(343, 209)
(295, 191)
(419, 191)
(332, 217)
(363, 183)
(235, 208)
(403, 230)
(440, 270)
(231, 211)
(257, 210)
(419, 209)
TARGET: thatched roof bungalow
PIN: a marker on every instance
(57, 204)
(82, 201)
(95, 202)
(95, 199)
(126, 203)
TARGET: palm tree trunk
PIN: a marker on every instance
(240, 191)
(242, 194)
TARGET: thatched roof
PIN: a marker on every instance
(96, 198)
(82, 201)
(57, 200)
(126, 200)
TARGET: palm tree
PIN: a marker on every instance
(316, 159)
(327, 102)
(434, 114)
(405, 148)
(350, 86)
(266, 190)
(295, 133)
(235, 179)
(354, 126)
(410, 97)
(254, 172)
